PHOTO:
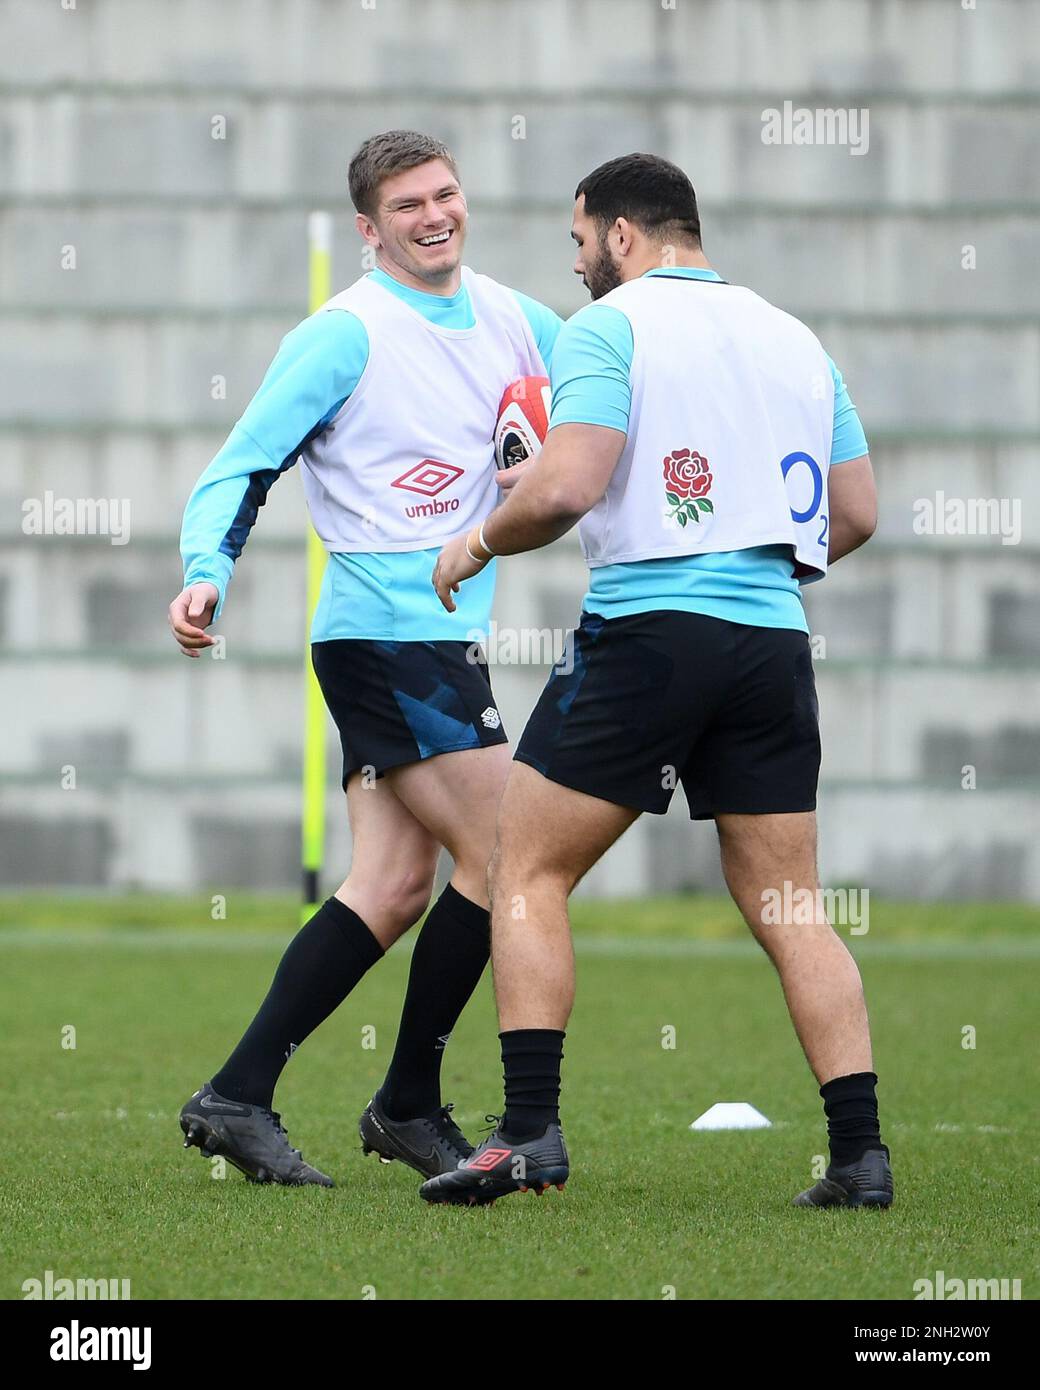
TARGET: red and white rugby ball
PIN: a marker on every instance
(523, 421)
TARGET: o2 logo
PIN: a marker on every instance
(806, 464)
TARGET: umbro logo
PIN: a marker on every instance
(491, 718)
(428, 477)
(489, 1159)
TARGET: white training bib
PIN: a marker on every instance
(409, 460)
(729, 436)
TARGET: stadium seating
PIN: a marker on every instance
(120, 377)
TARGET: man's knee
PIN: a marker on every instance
(520, 864)
(397, 897)
(412, 894)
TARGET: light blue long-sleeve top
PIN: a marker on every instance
(386, 596)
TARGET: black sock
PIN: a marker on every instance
(851, 1108)
(531, 1061)
(448, 960)
(322, 964)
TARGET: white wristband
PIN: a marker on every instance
(483, 542)
(472, 556)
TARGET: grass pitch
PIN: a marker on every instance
(98, 1186)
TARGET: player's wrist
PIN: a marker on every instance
(477, 548)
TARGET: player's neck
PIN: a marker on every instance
(677, 258)
(692, 260)
(443, 288)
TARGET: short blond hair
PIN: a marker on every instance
(382, 156)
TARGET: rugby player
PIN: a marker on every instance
(708, 449)
(387, 397)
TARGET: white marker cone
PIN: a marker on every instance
(725, 1114)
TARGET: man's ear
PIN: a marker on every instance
(625, 235)
(367, 229)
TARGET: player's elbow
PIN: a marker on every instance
(567, 511)
(851, 527)
(570, 498)
(863, 522)
(577, 467)
(853, 501)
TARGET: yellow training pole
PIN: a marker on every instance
(319, 243)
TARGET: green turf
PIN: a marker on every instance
(702, 916)
(97, 1185)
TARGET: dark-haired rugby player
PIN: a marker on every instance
(705, 445)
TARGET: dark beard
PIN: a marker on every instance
(602, 275)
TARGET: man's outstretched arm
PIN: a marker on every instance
(316, 368)
(567, 479)
(591, 398)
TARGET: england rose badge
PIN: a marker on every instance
(687, 482)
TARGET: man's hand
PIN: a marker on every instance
(507, 478)
(452, 567)
(190, 612)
